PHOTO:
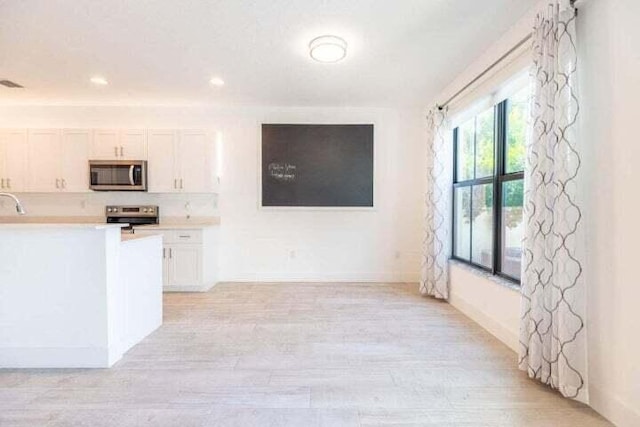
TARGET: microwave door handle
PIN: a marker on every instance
(131, 175)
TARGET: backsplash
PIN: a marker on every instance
(93, 204)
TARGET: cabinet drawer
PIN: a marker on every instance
(187, 236)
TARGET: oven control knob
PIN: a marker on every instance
(145, 210)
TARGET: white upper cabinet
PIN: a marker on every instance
(119, 145)
(58, 160)
(133, 145)
(105, 145)
(45, 152)
(13, 160)
(182, 161)
(53, 160)
(161, 164)
(197, 154)
(76, 145)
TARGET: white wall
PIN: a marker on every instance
(609, 65)
(350, 245)
(610, 75)
(487, 301)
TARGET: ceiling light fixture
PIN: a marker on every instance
(216, 81)
(328, 49)
(100, 81)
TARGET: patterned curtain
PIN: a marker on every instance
(437, 239)
(552, 330)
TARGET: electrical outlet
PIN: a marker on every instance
(292, 254)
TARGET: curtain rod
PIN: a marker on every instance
(490, 67)
(486, 70)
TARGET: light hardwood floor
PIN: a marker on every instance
(298, 355)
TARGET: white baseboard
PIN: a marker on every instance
(611, 407)
(54, 357)
(406, 277)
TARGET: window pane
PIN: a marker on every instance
(465, 151)
(512, 227)
(462, 232)
(482, 227)
(517, 115)
(484, 143)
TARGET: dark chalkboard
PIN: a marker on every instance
(317, 165)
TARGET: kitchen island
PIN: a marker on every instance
(75, 295)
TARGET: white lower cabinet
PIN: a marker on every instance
(190, 257)
(184, 267)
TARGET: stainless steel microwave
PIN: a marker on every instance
(118, 175)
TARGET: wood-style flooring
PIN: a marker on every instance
(299, 355)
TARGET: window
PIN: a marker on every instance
(488, 187)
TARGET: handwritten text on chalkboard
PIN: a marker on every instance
(283, 172)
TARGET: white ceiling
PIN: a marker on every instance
(401, 52)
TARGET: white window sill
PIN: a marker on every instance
(486, 275)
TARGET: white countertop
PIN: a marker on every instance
(166, 223)
(183, 226)
(51, 225)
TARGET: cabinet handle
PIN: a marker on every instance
(57, 183)
(182, 236)
(116, 150)
(175, 183)
(2, 183)
(164, 252)
(181, 187)
(170, 253)
(8, 183)
(64, 183)
(121, 151)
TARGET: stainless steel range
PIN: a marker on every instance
(132, 215)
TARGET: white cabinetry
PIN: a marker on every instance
(119, 145)
(57, 160)
(184, 265)
(162, 161)
(197, 162)
(13, 160)
(190, 257)
(45, 151)
(182, 161)
(53, 160)
(76, 144)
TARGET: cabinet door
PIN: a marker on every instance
(185, 267)
(75, 160)
(197, 162)
(161, 167)
(105, 145)
(133, 145)
(13, 160)
(44, 155)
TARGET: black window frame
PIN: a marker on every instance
(499, 177)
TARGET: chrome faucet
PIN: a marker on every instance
(19, 207)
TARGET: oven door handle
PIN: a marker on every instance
(131, 175)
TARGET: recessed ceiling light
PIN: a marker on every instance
(328, 48)
(216, 81)
(100, 81)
